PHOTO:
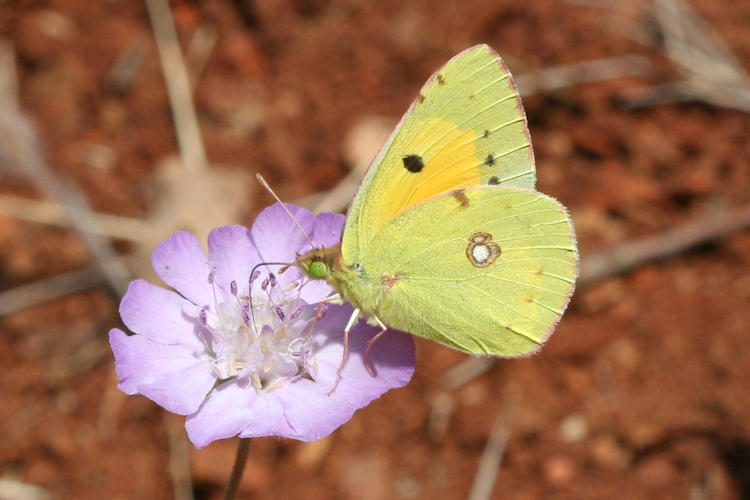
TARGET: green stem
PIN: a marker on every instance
(239, 467)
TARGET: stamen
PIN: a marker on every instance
(255, 275)
(216, 301)
(295, 314)
(258, 339)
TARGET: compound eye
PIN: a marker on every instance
(319, 270)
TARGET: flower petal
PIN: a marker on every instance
(182, 264)
(311, 413)
(232, 254)
(159, 314)
(328, 228)
(303, 409)
(173, 376)
(392, 357)
(231, 408)
(314, 291)
(277, 237)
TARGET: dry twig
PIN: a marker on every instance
(48, 212)
(12, 489)
(710, 71)
(559, 77)
(179, 457)
(199, 51)
(492, 457)
(178, 85)
(631, 255)
(21, 154)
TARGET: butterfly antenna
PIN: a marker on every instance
(289, 213)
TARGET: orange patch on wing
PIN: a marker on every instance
(389, 281)
(463, 200)
(448, 161)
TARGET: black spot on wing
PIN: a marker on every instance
(493, 181)
(486, 133)
(413, 163)
(490, 160)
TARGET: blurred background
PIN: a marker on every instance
(117, 129)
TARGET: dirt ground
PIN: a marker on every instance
(641, 393)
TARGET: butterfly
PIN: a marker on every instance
(446, 237)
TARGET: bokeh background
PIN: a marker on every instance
(639, 117)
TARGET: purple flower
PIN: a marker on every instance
(250, 351)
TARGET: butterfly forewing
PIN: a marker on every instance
(466, 128)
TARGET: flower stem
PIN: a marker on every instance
(239, 467)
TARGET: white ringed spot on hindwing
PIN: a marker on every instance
(482, 251)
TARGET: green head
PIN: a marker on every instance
(319, 263)
(319, 270)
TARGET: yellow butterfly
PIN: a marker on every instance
(446, 237)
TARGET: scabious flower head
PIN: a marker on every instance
(246, 350)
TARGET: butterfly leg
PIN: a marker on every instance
(372, 341)
(319, 310)
(335, 299)
(352, 321)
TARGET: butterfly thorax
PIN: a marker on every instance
(348, 279)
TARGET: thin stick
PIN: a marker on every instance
(243, 449)
(8, 77)
(21, 153)
(462, 373)
(630, 255)
(48, 212)
(199, 51)
(558, 77)
(48, 289)
(492, 457)
(177, 81)
(710, 72)
(13, 488)
(179, 457)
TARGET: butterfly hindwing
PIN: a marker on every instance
(485, 270)
(466, 128)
